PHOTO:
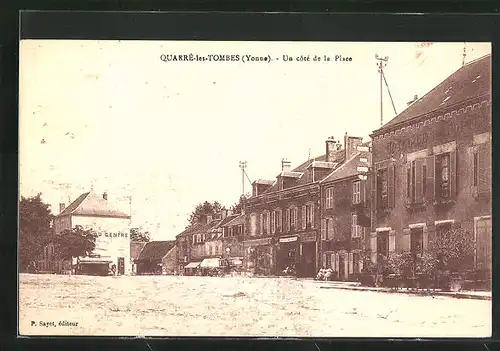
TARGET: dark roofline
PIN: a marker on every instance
(389, 128)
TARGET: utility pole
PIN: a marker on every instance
(381, 63)
(464, 54)
(243, 165)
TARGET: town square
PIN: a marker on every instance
(348, 210)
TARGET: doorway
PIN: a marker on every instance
(121, 265)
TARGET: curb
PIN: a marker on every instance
(413, 292)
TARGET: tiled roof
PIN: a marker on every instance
(238, 220)
(136, 248)
(92, 204)
(156, 250)
(350, 168)
(264, 182)
(471, 80)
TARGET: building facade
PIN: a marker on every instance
(92, 211)
(283, 217)
(432, 168)
(157, 257)
(345, 212)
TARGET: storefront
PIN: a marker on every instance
(296, 255)
(192, 268)
(96, 266)
(259, 256)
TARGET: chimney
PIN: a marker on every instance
(285, 165)
(62, 206)
(351, 145)
(415, 98)
(105, 196)
(331, 147)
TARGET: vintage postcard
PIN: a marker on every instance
(269, 189)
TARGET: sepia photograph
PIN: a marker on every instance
(255, 189)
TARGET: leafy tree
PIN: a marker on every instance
(35, 229)
(137, 235)
(238, 206)
(75, 242)
(454, 249)
(203, 209)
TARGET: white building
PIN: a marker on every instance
(92, 211)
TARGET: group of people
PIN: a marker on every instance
(325, 274)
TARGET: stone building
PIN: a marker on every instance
(345, 211)
(432, 167)
(283, 216)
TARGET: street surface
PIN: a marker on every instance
(236, 306)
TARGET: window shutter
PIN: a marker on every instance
(312, 216)
(324, 260)
(419, 191)
(408, 183)
(351, 263)
(406, 239)
(323, 229)
(373, 246)
(453, 174)
(484, 169)
(425, 239)
(346, 265)
(337, 260)
(391, 183)
(430, 190)
(329, 230)
(303, 217)
(374, 192)
(392, 241)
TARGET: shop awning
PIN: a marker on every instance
(237, 261)
(95, 260)
(192, 265)
(210, 263)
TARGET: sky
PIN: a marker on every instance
(112, 116)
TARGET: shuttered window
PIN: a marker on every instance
(483, 243)
(324, 226)
(484, 169)
(304, 217)
(356, 192)
(273, 222)
(330, 229)
(329, 198)
(287, 220)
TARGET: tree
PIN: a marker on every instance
(204, 209)
(138, 236)
(75, 242)
(454, 249)
(35, 229)
(238, 206)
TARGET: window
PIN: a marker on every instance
(355, 228)
(476, 168)
(483, 243)
(329, 228)
(293, 218)
(265, 222)
(328, 262)
(442, 228)
(383, 188)
(416, 240)
(329, 198)
(443, 175)
(273, 222)
(308, 216)
(287, 220)
(424, 178)
(383, 243)
(356, 192)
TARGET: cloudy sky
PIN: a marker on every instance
(111, 115)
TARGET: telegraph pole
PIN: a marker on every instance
(243, 165)
(464, 54)
(381, 63)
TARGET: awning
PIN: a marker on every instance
(95, 260)
(210, 263)
(192, 265)
(237, 261)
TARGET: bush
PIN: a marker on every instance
(454, 250)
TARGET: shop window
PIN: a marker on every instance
(356, 192)
(416, 240)
(329, 198)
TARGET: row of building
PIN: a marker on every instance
(425, 171)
